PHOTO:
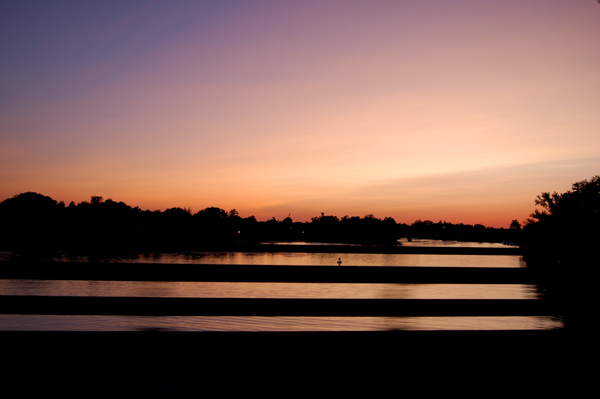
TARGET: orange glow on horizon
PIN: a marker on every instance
(460, 112)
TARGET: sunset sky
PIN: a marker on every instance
(461, 111)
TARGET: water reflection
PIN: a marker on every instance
(302, 258)
(277, 290)
(420, 242)
(266, 290)
(176, 323)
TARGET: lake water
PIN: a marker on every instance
(278, 290)
(302, 258)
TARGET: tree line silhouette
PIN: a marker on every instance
(34, 222)
(567, 227)
(560, 242)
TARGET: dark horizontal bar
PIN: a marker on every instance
(147, 306)
(289, 361)
(412, 340)
(261, 273)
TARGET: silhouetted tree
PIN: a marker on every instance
(561, 242)
(30, 222)
(515, 225)
(568, 226)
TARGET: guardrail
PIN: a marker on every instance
(264, 273)
(351, 362)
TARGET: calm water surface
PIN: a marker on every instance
(278, 290)
(309, 259)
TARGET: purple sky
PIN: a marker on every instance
(460, 111)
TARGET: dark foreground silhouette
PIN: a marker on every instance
(525, 363)
(285, 363)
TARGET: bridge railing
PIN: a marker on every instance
(340, 360)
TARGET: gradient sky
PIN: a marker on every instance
(461, 111)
